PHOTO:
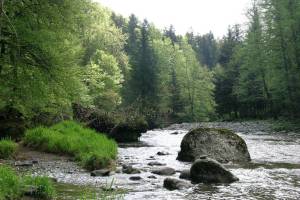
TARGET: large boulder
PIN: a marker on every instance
(115, 125)
(220, 144)
(210, 171)
(102, 122)
(129, 131)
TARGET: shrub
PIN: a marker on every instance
(92, 150)
(12, 123)
(8, 148)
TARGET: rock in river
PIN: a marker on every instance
(162, 153)
(220, 144)
(100, 172)
(175, 184)
(129, 131)
(135, 178)
(156, 163)
(210, 171)
(25, 163)
(127, 169)
(166, 171)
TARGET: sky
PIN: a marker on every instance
(201, 16)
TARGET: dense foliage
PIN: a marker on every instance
(260, 73)
(54, 54)
(91, 149)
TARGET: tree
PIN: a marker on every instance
(226, 78)
(205, 47)
(170, 33)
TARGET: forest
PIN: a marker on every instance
(58, 53)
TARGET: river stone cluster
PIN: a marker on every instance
(220, 144)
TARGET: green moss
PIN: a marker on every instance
(91, 149)
(8, 148)
(223, 131)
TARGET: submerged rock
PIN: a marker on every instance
(185, 174)
(135, 178)
(165, 171)
(152, 177)
(220, 144)
(155, 163)
(175, 184)
(162, 153)
(210, 171)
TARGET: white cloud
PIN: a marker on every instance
(200, 15)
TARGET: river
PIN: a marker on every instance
(274, 172)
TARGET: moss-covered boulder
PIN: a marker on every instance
(220, 144)
(102, 122)
(129, 131)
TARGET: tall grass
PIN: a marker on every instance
(13, 186)
(8, 148)
(91, 149)
(43, 187)
(10, 184)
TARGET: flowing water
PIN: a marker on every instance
(274, 172)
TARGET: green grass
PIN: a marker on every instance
(13, 186)
(8, 148)
(91, 149)
(44, 187)
(10, 184)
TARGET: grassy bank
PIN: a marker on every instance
(13, 186)
(91, 149)
(8, 148)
